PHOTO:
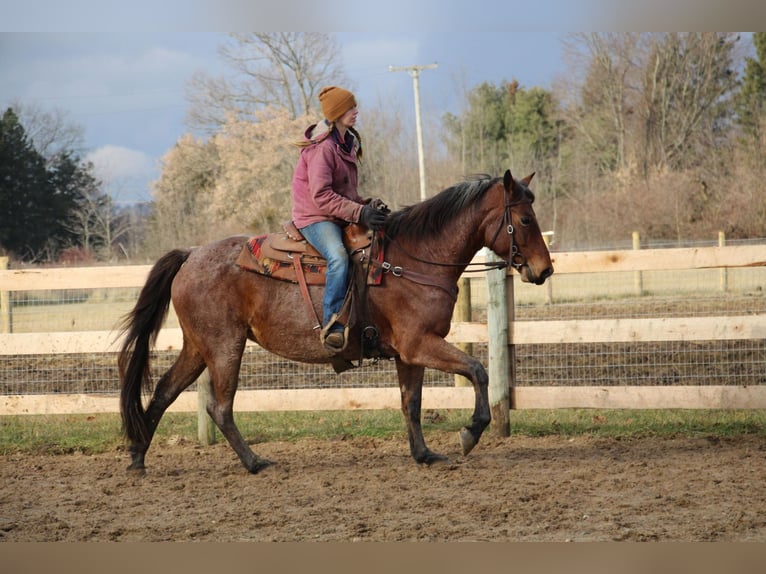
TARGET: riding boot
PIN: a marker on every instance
(334, 335)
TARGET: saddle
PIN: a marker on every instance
(287, 256)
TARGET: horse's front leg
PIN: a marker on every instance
(436, 353)
(469, 436)
(411, 387)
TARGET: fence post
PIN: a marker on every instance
(638, 277)
(205, 425)
(5, 303)
(463, 313)
(501, 363)
(724, 273)
(547, 235)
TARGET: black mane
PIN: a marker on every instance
(429, 217)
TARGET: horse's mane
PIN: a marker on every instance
(429, 217)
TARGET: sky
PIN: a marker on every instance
(123, 76)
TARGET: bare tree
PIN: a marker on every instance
(651, 100)
(97, 225)
(238, 181)
(689, 80)
(182, 196)
(269, 69)
(51, 131)
(604, 90)
(390, 166)
(256, 159)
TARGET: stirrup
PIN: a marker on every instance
(326, 331)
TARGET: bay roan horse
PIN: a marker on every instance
(220, 305)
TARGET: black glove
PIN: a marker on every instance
(378, 204)
(372, 218)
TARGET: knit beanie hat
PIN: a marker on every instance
(335, 102)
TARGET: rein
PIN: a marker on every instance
(515, 258)
(486, 265)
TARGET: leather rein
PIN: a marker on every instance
(515, 258)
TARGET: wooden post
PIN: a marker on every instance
(5, 303)
(463, 313)
(638, 277)
(510, 317)
(549, 283)
(205, 425)
(724, 273)
(499, 286)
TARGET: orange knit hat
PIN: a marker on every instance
(335, 102)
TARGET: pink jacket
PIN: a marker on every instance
(325, 182)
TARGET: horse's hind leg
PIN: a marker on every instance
(224, 375)
(186, 369)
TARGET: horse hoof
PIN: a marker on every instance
(259, 465)
(467, 440)
(432, 458)
(137, 469)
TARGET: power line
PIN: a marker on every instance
(414, 71)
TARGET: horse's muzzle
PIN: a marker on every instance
(528, 276)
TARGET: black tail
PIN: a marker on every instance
(141, 327)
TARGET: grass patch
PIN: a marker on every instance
(639, 423)
(61, 434)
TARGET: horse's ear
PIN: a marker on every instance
(527, 179)
(508, 180)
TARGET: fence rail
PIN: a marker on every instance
(749, 326)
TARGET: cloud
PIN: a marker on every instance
(113, 162)
(126, 173)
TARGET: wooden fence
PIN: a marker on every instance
(741, 327)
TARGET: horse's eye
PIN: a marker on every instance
(526, 220)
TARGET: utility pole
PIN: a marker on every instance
(414, 71)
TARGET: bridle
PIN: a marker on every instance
(515, 258)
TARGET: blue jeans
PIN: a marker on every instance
(327, 238)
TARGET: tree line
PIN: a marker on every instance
(52, 206)
(662, 133)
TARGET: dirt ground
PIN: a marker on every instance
(516, 489)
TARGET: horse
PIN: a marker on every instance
(220, 305)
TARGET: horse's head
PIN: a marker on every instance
(517, 238)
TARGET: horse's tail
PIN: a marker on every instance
(140, 327)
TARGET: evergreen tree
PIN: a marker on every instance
(36, 197)
(530, 127)
(24, 183)
(504, 126)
